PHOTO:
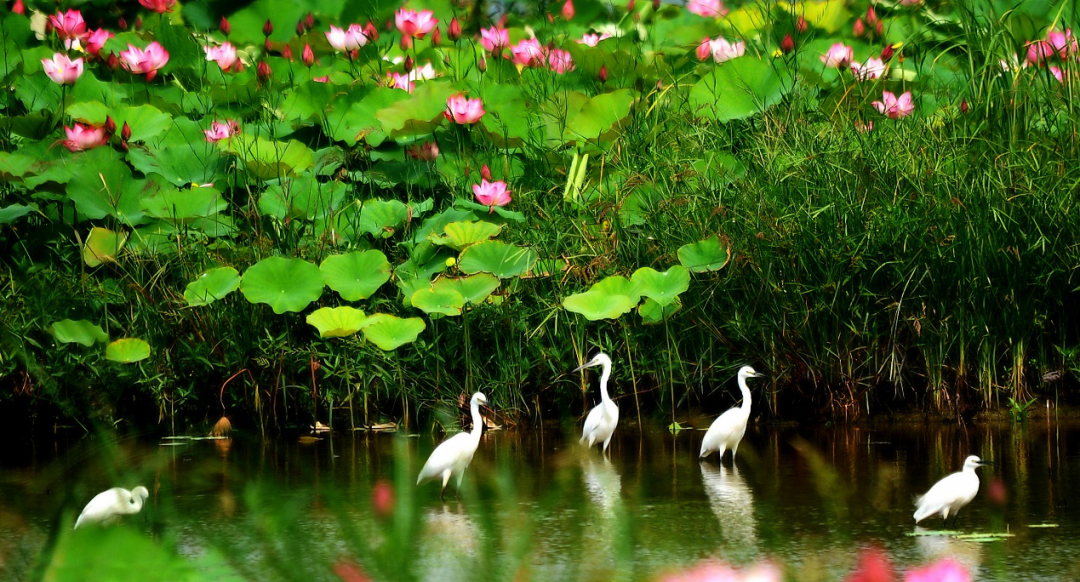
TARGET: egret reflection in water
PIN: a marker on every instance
(602, 482)
(449, 544)
(733, 503)
(936, 547)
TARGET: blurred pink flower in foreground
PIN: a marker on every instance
(873, 566)
(593, 39)
(346, 40)
(159, 6)
(716, 571)
(399, 81)
(349, 571)
(415, 24)
(224, 55)
(527, 53)
(84, 137)
(1056, 72)
(559, 61)
(946, 570)
(427, 151)
(220, 130)
(62, 70)
(147, 61)
(873, 69)
(707, 8)
(1062, 42)
(462, 110)
(96, 40)
(491, 194)
(1039, 51)
(894, 107)
(720, 49)
(839, 55)
(494, 39)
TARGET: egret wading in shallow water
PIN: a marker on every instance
(455, 453)
(950, 494)
(107, 507)
(727, 431)
(600, 424)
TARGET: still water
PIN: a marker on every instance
(535, 506)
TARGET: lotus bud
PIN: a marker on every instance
(287, 53)
(268, 28)
(453, 32)
(300, 28)
(267, 46)
(110, 125)
(225, 27)
(631, 5)
(409, 64)
(138, 22)
(263, 71)
(18, 7)
(308, 56)
(602, 75)
(502, 22)
(482, 65)
(880, 28)
(858, 29)
(49, 28)
(125, 133)
(551, 19)
(871, 16)
(406, 43)
(122, 24)
(800, 25)
(112, 62)
(485, 172)
(371, 32)
(656, 5)
(787, 45)
(436, 37)
(309, 21)
(568, 10)
(964, 106)
(887, 53)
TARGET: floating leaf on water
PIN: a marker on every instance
(1043, 525)
(442, 301)
(933, 532)
(474, 288)
(458, 235)
(356, 275)
(212, 285)
(711, 254)
(81, 331)
(498, 258)
(337, 321)
(390, 332)
(283, 284)
(102, 246)
(127, 350)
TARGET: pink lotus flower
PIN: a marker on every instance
(69, 26)
(873, 566)
(426, 152)
(592, 39)
(224, 55)
(894, 107)
(1039, 51)
(347, 40)
(838, 55)
(399, 81)
(707, 8)
(946, 570)
(84, 137)
(220, 130)
(527, 52)
(559, 61)
(63, 70)
(494, 39)
(96, 40)
(415, 24)
(323, 79)
(720, 49)
(147, 62)
(1063, 42)
(1056, 72)
(462, 110)
(159, 6)
(716, 571)
(491, 194)
(873, 69)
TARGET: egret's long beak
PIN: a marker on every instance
(582, 367)
(756, 375)
(986, 462)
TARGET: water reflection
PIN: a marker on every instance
(450, 543)
(934, 547)
(602, 482)
(733, 504)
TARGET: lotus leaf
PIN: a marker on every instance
(178, 205)
(420, 114)
(212, 285)
(652, 312)
(14, 212)
(663, 288)
(101, 185)
(498, 258)
(609, 299)
(390, 332)
(458, 235)
(102, 246)
(381, 218)
(283, 284)
(267, 159)
(127, 350)
(80, 331)
(441, 301)
(474, 288)
(711, 254)
(356, 275)
(740, 88)
(599, 115)
(337, 321)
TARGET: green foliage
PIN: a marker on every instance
(283, 284)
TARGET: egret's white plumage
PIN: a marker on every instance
(455, 453)
(601, 421)
(950, 494)
(107, 507)
(727, 431)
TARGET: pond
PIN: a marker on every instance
(535, 506)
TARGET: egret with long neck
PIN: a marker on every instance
(950, 494)
(727, 431)
(454, 454)
(107, 507)
(601, 422)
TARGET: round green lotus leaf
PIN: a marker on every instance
(596, 305)
(127, 350)
(663, 288)
(458, 235)
(618, 285)
(390, 332)
(102, 246)
(283, 284)
(442, 301)
(474, 288)
(80, 331)
(357, 275)
(382, 218)
(740, 88)
(498, 258)
(652, 312)
(211, 286)
(337, 321)
(711, 254)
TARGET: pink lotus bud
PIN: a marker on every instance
(268, 28)
(263, 71)
(801, 25)
(871, 16)
(964, 106)
(300, 28)
(787, 45)
(603, 74)
(112, 62)
(18, 8)
(887, 53)
(308, 56)
(436, 37)
(225, 27)
(370, 31)
(482, 65)
(568, 10)
(286, 53)
(267, 47)
(453, 32)
(858, 29)
(406, 43)
(880, 28)
(125, 132)
(110, 125)
(631, 5)
(138, 22)
(485, 172)
(122, 24)
(309, 21)
(656, 5)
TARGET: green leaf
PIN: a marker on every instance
(390, 332)
(381, 218)
(498, 258)
(304, 198)
(267, 159)
(600, 115)
(611, 298)
(711, 254)
(337, 321)
(420, 113)
(740, 88)
(179, 205)
(80, 331)
(442, 301)
(102, 246)
(102, 185)
(127, 350)
(212, 285)
(358, 122)
(663, 288)
(652, 312)
(458, 235)
(14, 212)
(283, 284)
(356, 275)
(474, 288)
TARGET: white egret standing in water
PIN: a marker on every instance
(107, 507)
(600, 424)
(727, 431)
(455, 453)
(950, 494)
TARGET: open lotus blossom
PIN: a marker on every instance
(323, 79)
(1057, 73)
(415, 24)
(946, 570)
(159, 6)
(462, 110)
(707, 8)
(69, 26)
(62, 70)
(527, 53)
(717, 571)
(720, 49)
(347, 40)
(426, 152)
(399, 81)
(874, 68)
(220, 130)
(147, 62)
(559, 61)
(491, 193)
(224, 55)
(1039, 51)
(839, 55)
(1063, 42)
(95, 40)
(494, 39)
(593, 39)
(84, 137)
(894, 107)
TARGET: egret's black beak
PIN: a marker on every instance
(582, 367)
(991, 463)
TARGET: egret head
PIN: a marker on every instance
(140, 493)
(600, 359)
(974, 462)
(479, 398)
(748, 372)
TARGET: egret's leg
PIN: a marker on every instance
(606, 443)
(445, 480)
(734, 451)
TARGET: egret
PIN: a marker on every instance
(600, 424)
(455, 453)
(727, 431)
(950, 494)
(107, 507)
